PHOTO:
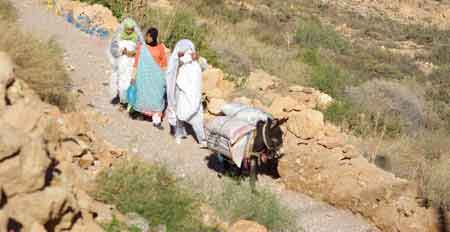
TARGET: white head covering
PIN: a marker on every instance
(113, 48)
(183, 45)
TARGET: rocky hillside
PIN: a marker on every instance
(322, 159)
(48, 163)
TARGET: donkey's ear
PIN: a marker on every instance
(283, 121)
(260, 123)
(279, 122)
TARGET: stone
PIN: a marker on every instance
(52, 203)
(86, 160)
(21, 117)
(247, 226)
(306, 124)
(261, 81)
(296, 88)
(19, 90)
(105, 157)
(215, 105)
(211, 78)
(282, 106)
(331, 142)
(27, 171)
(36, 227)
(11, 141)
(71, 148)
(226, 86)
(349, 181)
(243, 100)
(308, 90)
(215, 93)
(323, 100)
(105, 213)
(86, 226)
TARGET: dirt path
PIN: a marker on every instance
(91, 75)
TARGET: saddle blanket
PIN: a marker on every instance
(229, 136)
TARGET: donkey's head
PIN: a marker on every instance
(269, 136)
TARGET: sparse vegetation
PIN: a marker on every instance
(238, 202)
(153, 193)
(312, 34)
(39, 64)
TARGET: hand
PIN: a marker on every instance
(124, 51)
(195, 56)
(131, 53)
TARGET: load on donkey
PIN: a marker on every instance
(246, 137)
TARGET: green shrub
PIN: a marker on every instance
(237, 202)
(312, 34)
(326, 76)
(338, 112)
(151, 192)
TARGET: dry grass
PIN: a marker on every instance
(7, 11)
(423, 158)
(39, 64)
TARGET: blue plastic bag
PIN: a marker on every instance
(131, 95)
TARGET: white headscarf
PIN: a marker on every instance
(183, 45)
(113, 48)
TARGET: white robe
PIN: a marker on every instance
(188, 94)
(122, 71)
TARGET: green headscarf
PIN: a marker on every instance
(127, 24)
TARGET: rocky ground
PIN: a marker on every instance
(90, 74)
(320, 160)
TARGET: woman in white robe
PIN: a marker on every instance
(121, 52)
(184, 91)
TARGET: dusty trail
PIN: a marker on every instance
(91, 75)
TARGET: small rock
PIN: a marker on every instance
(308, 90)
(261, 81)
(323, 101)
(247, 226)
(331, 142)
(86, 160)
(243, 100)
(296, 88)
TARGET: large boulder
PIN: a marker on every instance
(38, 173)
(247, 226)
(211, 78)
(261, 81)
(282, 106)
(345, 179)
(25, 169)
(52, 203)
(306, 124)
